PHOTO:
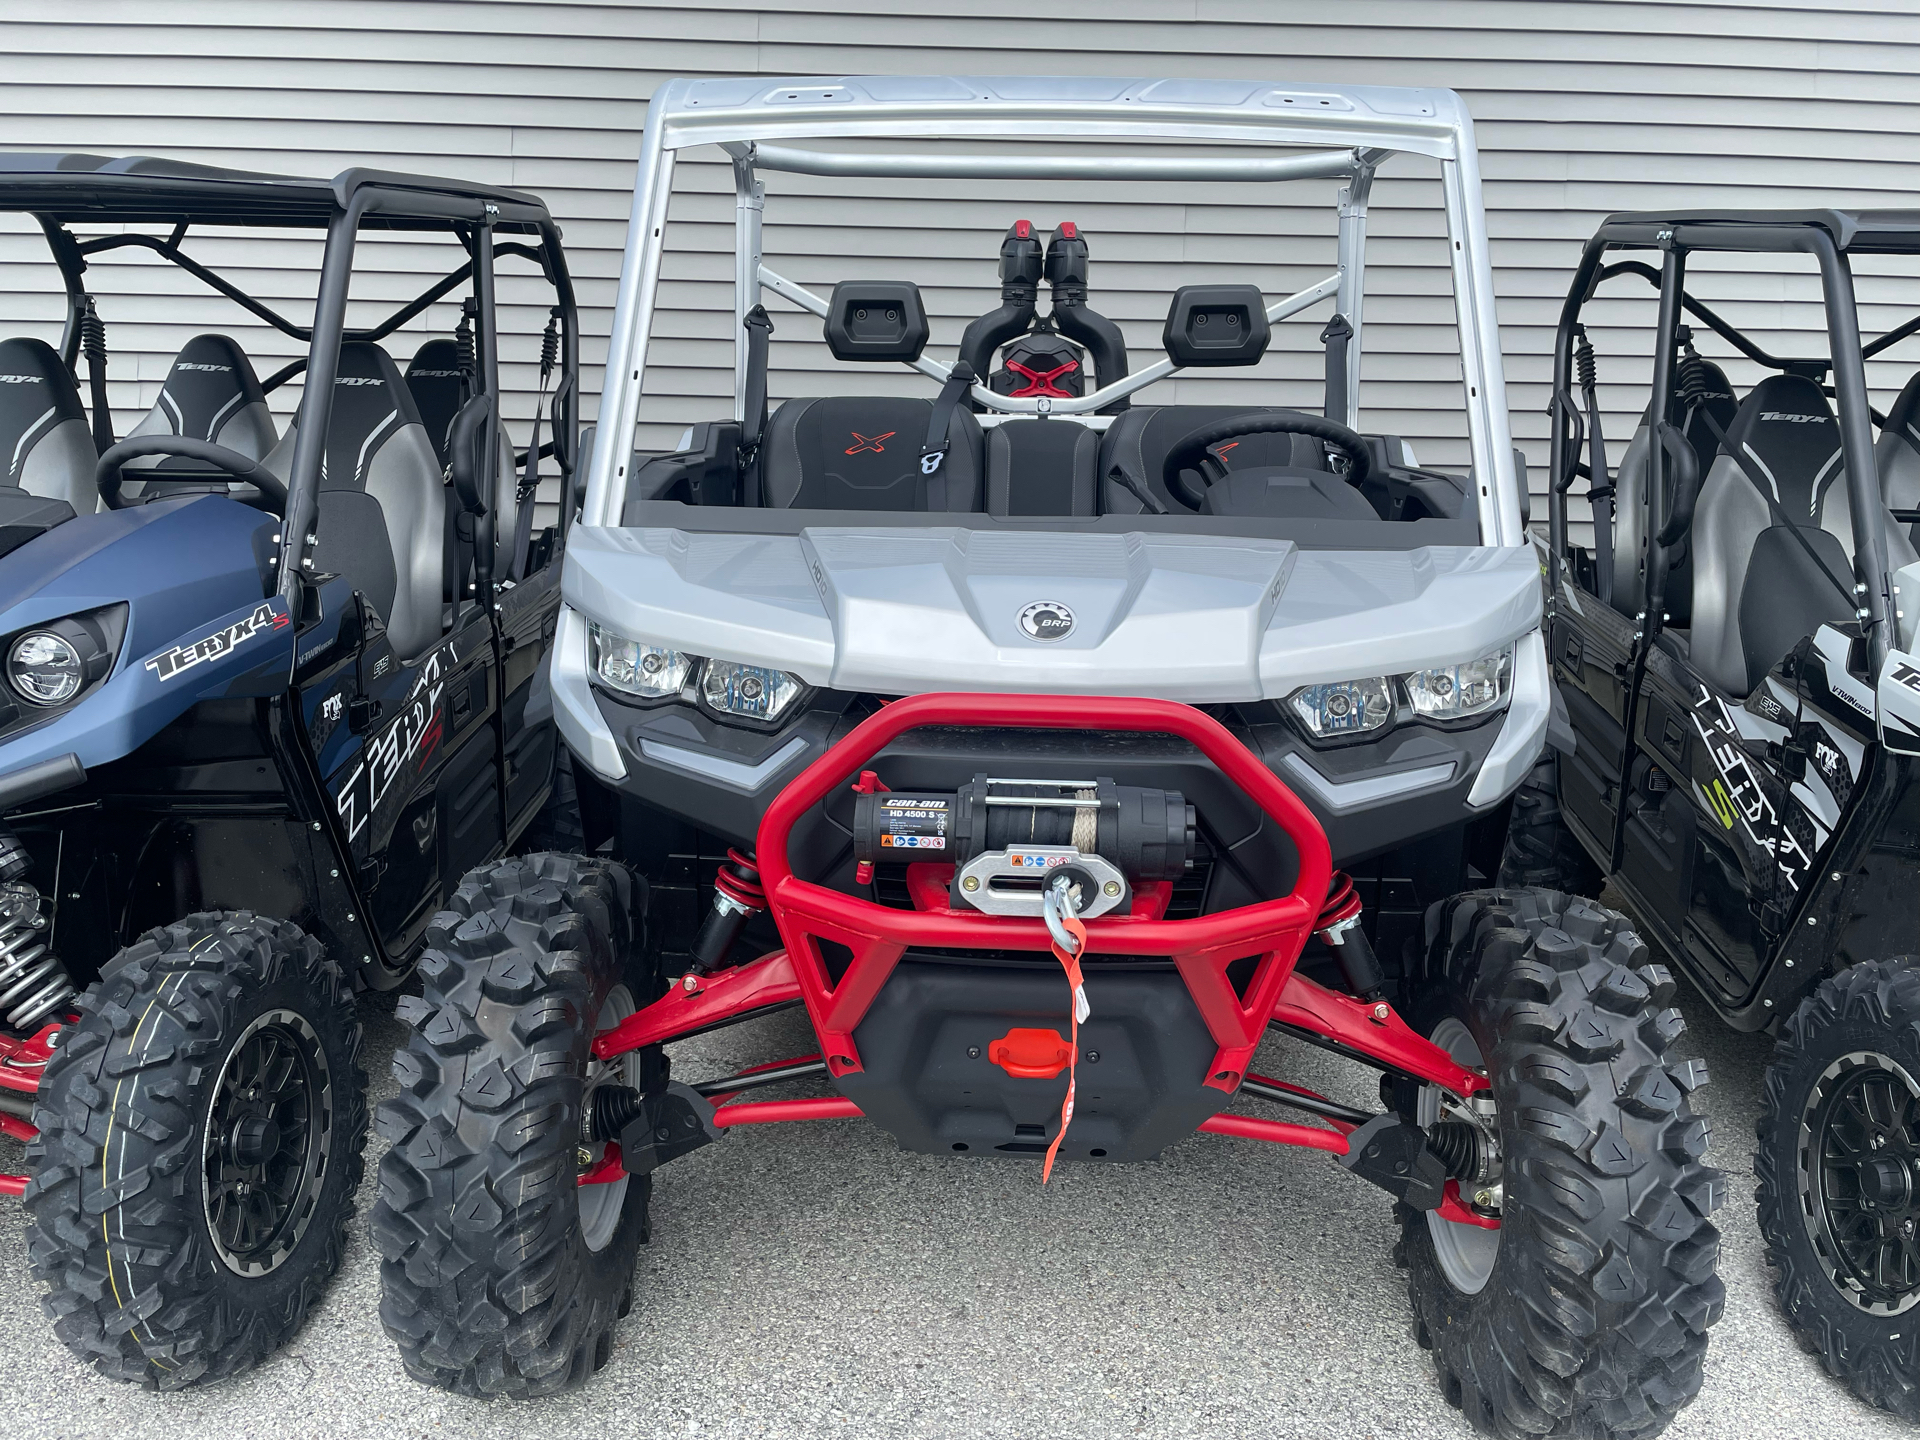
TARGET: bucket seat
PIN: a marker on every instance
(853, 453)
(382, 502)
(1138, 441)
(1898, 454)
(1757, 590)
(45, 444)
(211, 393)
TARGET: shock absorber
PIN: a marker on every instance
(34, 987)
(737, 898)
(1339, 926)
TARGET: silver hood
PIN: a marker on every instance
(1198, 618)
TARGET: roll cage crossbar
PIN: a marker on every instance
(1346, 133)
(1825, 236)
(62, 191)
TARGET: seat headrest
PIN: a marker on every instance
(1904, 418)
(371, 403)
(1788, 431)
(439, 389)
(37, 396)
(210, 381)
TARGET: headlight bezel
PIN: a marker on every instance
(695, 674)
(94, 637)
(1406, 708)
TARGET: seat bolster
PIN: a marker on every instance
(1728, 518)
(1629, 524)
(61, 465)
(415, 515)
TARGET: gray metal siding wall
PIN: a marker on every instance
(1582, 109)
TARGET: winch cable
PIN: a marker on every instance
(1069, 944)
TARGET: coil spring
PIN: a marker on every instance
(33, 984)
(550, 347)
(1583, 360)
(739, 881)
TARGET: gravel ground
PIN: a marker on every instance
(810, 1280)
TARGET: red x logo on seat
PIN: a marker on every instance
(1040, 382)
(868, 442)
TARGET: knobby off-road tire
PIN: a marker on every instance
(1541, 852)
(1592, 1317)
(201, 1131)
(1842, 1100)
(490, 1281)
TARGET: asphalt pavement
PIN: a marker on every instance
(813, 1280)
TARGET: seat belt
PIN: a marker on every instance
(759, 327)
(933, 454)
(1780, 517)
(93, 344)
(530, 472)
(1335, 337)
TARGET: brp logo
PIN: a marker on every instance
(1046, 620)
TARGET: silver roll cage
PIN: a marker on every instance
(1351, 130)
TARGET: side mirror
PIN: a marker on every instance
(467, 438)
(1216, 325)
(876, 320)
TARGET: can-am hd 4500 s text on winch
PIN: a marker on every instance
(1032, 722)
(239, 775)
(1737, 656)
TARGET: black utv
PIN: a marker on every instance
(1739, 723)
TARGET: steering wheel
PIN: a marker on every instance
(1193, 451)
(107, 474)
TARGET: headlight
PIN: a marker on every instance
(1454, 692)
(651, 671)
(751, 691)
(45, 668)
(1347, 707)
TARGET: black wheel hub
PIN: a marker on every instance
(1860, 1180)
(268, 1131)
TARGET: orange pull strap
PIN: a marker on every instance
(1079, 1011)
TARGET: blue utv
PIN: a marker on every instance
(266, 697)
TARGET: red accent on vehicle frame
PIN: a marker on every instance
(1280, 1132)
(1457, 1210)
(724, 1096)
(1040, 382)
(1200, 948)
(1374, 1028)
(13, 1184)
(610, 1168)
(715, 998)
(764, 1112)
(1028, 1054)
(21, 1061)
(15, 1128)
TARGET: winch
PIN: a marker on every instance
(1005, 838)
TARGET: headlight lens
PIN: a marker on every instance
(44, 668)
(1346, 707)
(751, 691)
(1453, 692)
(651, 671)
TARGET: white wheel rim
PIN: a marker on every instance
(601, 1205)
(1466, 1252)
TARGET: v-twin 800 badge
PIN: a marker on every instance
(1046, 620)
